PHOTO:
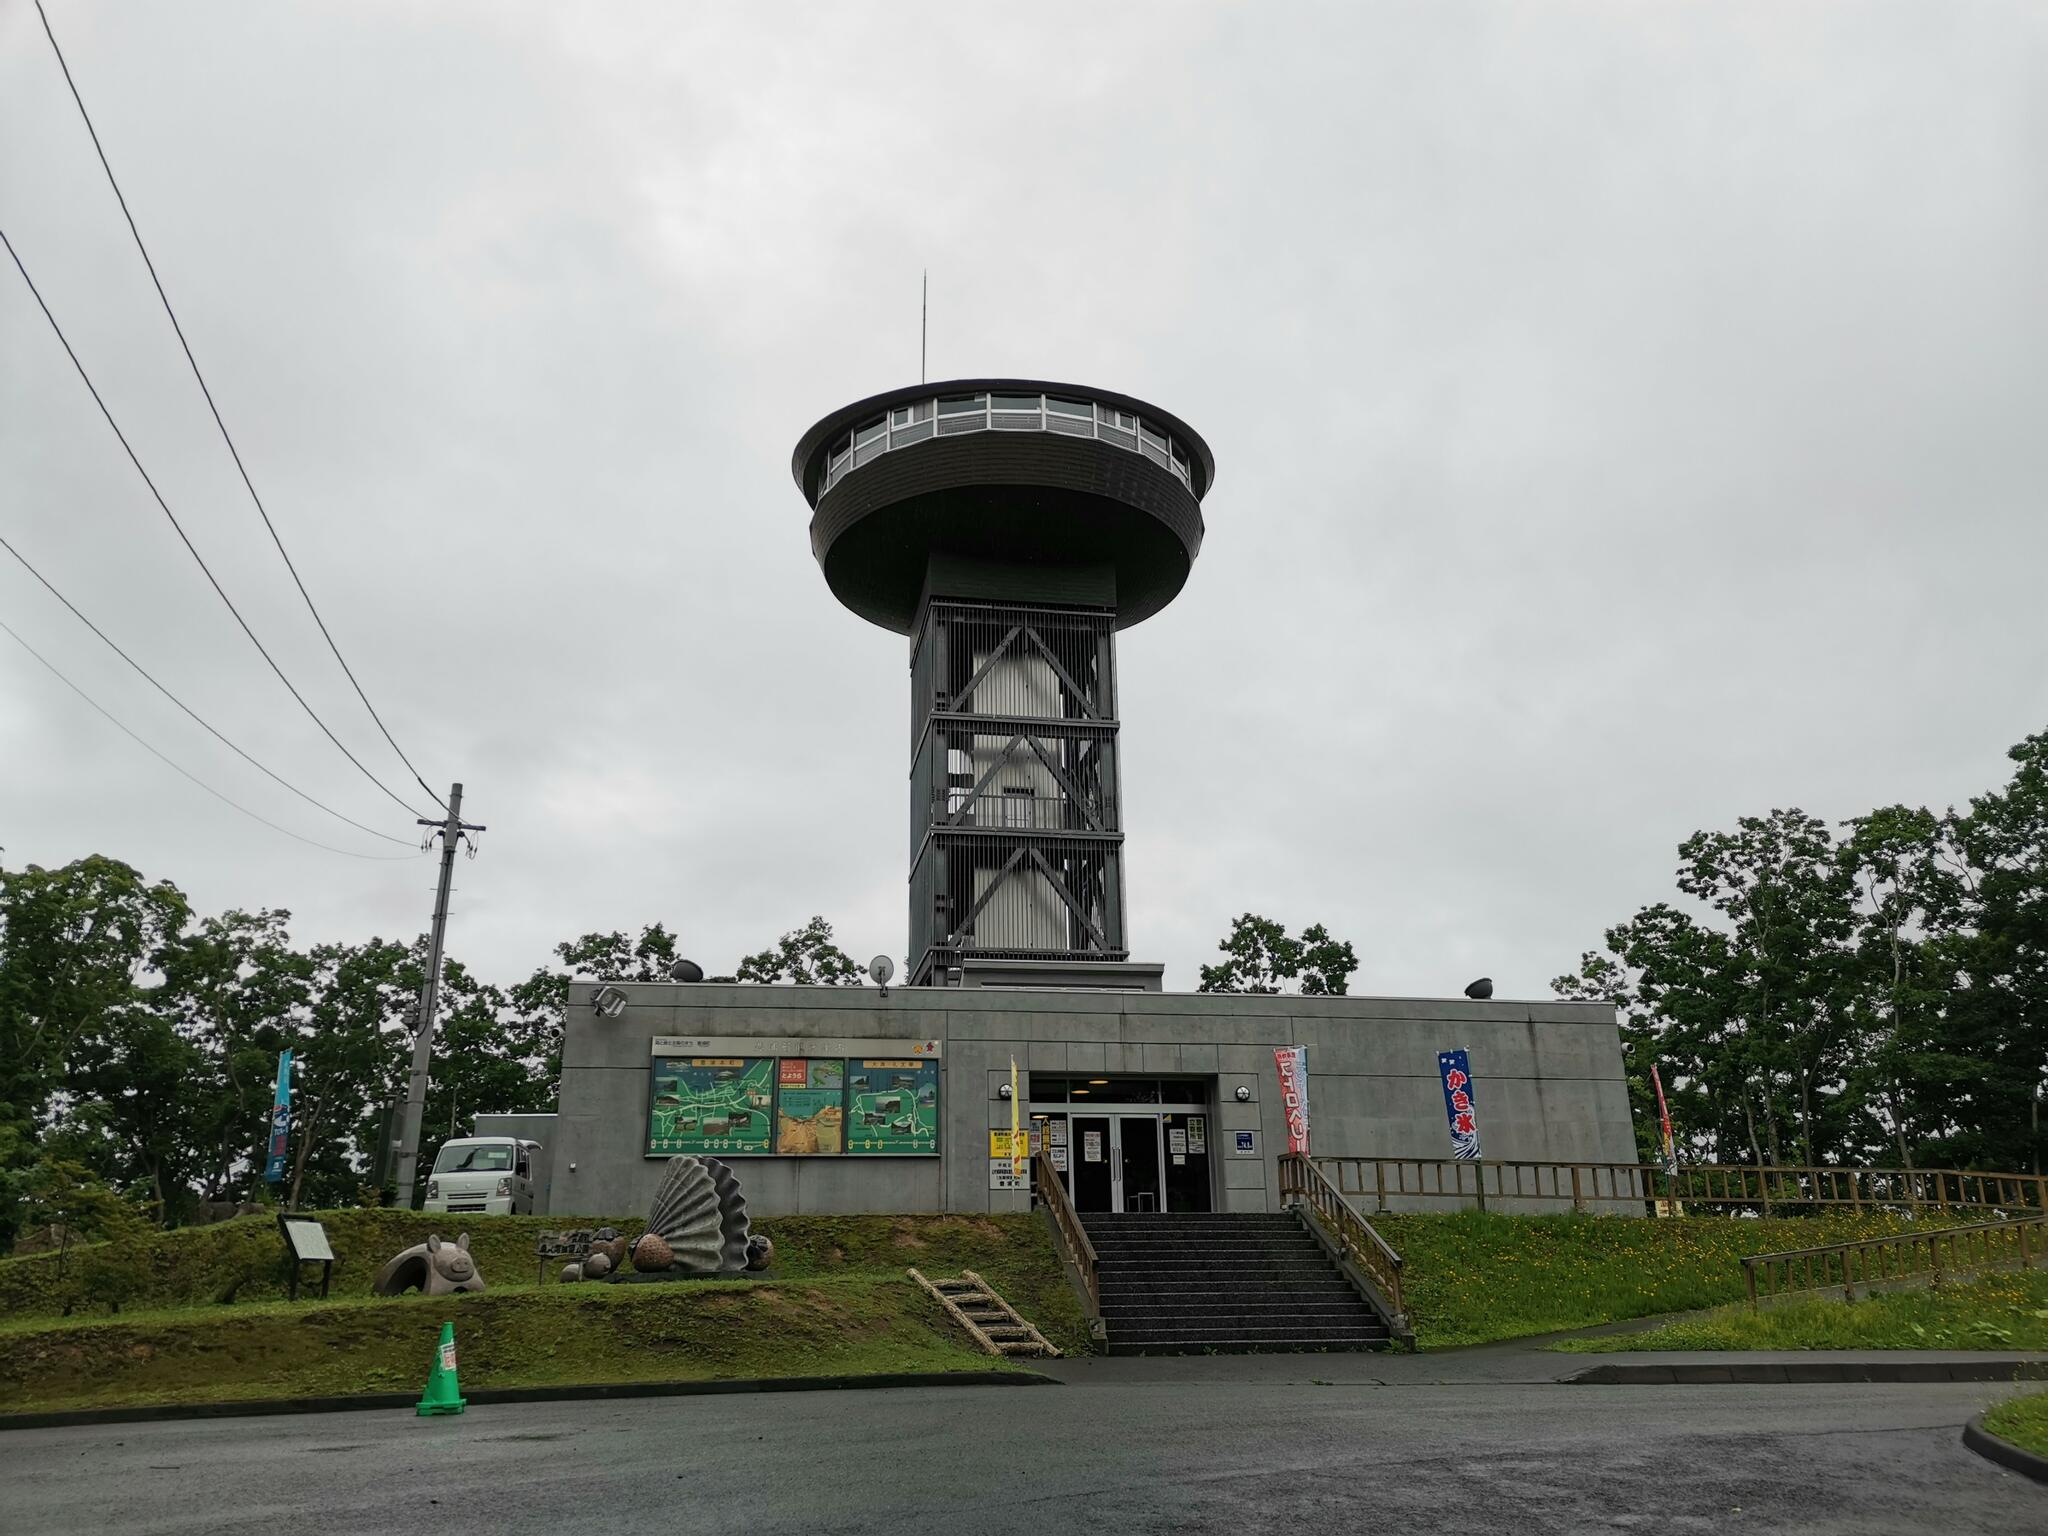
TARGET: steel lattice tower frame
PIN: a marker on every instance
(1009, 527)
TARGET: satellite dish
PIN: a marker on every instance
(880, 969)
(609, 1002)
(686, 970)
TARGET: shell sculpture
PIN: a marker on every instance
(701, 1216)
(651, 1254)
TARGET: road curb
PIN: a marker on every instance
(263, 1407)
(1994, 1448)
(1795, 1372)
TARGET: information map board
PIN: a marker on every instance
(719, 1102)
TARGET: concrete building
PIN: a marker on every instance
(1169, 1086)
(1010, 529)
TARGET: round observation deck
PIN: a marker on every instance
(1010, 471)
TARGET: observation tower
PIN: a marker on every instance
(1009, 527)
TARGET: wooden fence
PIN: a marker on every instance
(1636, 1187)
(1902, 1259)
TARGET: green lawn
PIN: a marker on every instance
(202, 1319)
(1472, 1277)
(2003, 1311)
(689, 1331)
(2023, 1421)
(238, 1262)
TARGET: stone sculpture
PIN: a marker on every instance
(698, 1226)
(434, 1267)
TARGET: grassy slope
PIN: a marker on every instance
(1471, 1278)
(2023, 1421)
(836, 1302)
(685, 1332)
(2004, 1311)
(243, 1261)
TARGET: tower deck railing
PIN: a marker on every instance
(922, 421)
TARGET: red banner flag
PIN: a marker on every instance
(1292, 1060)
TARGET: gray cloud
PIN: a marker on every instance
(1627, 418)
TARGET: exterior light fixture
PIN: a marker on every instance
(1003, 1092)
(1244, 1094)
(1080, 1092)
(608, 1003)
(1098, 1082)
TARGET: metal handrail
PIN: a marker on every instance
(1303, 1183)
(1051, 1192)
(1877, 1261)
(1744, 1186)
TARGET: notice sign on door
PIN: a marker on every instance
(1198, 1135)
(1091, 1146)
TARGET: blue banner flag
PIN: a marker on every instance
(1458, 1106)
(280, 1119)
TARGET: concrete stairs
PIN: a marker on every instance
(1229, 1284)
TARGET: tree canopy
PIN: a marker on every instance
(1875, 992)
(1259, 956)
(139, 1044)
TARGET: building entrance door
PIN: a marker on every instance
(1124, 1144)
(1138, 1163)
(1116, 1163)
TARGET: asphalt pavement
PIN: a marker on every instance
(1144, 1446)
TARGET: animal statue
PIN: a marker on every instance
(434, 1267)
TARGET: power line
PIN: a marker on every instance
(180, 527)
(160, 757)
(233, 451)
(160, 688)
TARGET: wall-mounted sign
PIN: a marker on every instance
(1247, 1144)
(736, 1097)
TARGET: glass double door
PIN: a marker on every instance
(1155, 1160)
(1116, 1163)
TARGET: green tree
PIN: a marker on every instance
(1259, 956)
(1998, 1014)
(806, 956)
(236, 989)
(74, 944)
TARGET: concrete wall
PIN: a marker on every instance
(1548, 1077)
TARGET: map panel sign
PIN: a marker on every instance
(711, 1105)
(892, 1106)
(810, 1106)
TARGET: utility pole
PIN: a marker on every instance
(450, 831)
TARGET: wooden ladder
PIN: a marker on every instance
(991, 1321)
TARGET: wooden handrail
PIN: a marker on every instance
(1303, 1184)
(1710, 1186)
(1050, 1190)
(1877, 1261)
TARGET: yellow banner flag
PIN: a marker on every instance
(1018, 1145)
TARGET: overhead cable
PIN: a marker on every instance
(200, 378)
(190, 547)
(160, 688)
(160, 757)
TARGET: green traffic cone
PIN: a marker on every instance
(442, 1394)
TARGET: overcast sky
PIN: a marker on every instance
(1627, 417)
